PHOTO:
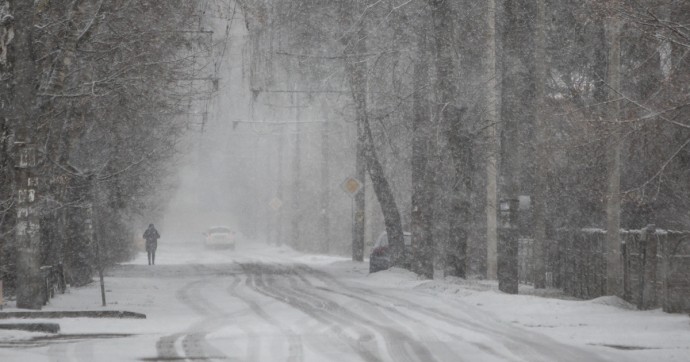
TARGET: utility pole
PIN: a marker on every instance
(280, 192)
(614, 266)
(541, 164)
(423, 174)
(356, 70)
(295, 238)
(493, 116)
(516, 114)
(325, 189)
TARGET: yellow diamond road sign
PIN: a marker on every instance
(351, 185)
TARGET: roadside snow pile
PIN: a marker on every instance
(613, 302)
(609, 324)
(313, 259)
(443, 288)
(14, 335)
(394, 277)
(455, 286)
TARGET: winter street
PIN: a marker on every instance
(262, 303)
(364, 180)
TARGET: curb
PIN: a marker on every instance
(73, 314)
(32, 327)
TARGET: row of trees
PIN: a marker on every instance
(95, 97)
(582, 106)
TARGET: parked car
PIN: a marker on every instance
(219, 237)
(381, 254)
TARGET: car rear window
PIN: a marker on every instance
(219, 230)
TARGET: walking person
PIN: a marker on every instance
(151, 235)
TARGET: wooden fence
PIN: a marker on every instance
(657, 269)
(656, 266)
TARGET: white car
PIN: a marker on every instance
(219, 237)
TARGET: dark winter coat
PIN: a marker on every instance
(151, 235)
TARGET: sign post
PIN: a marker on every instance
(275, 204)
(352, 187)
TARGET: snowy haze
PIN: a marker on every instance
(217, 176)
(235, 160)
(252, 114)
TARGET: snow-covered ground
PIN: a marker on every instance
(262, 303)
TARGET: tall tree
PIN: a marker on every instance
(23, 109)
(449, 118)
(102, 106)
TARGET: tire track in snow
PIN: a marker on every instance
(295, 347)
(324, 344)
(253, 341)
(418, 333)
(193, 341)
(521, 342)
(256, 271)
(399, 347)
(378, 310)
(60, 353)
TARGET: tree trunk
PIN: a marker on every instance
(95, 226)
(7, 215)
(384, 194)
(29, 281)
(446, 114)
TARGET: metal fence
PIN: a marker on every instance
(581, 255)
(656, 267)
(53, 281)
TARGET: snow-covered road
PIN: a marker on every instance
(262, 303)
